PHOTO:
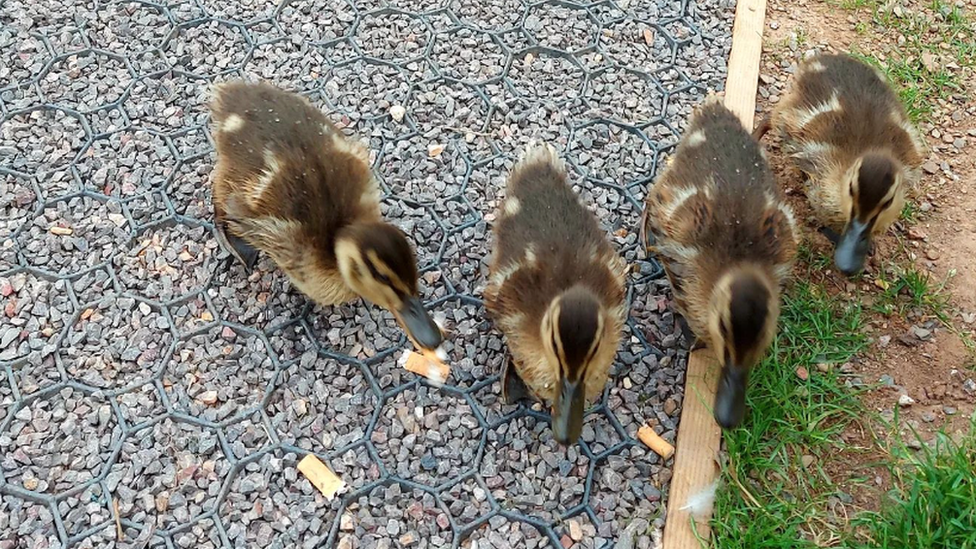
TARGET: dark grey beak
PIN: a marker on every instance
(420, 327)
(567, 412)
(853, 248)
(730, 401)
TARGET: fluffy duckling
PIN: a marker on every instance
(556, 290)
(845, 127)
(718, 222)
(288, 183)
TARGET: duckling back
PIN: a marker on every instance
(545, 243)
(286, 182)
(716, 206)
(282, 157)
(838, 109)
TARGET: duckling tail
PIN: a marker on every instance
(541, 153)
(764, 126)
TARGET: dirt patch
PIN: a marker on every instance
(916, 355)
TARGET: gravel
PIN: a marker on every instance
(28, 524)
(35, 312)
(58, 442)
(287, 64)
(116, 342)
(393, 37)
(207, 49)
(74, 235)
(139, 365)
(470, 56)
(267, 504)
(168, 262)
(533, 474)
(322, 405)
(18, 199)
(168, 474)
(43, 143)
(167, 102)
(218, 374)
(316, 21)
(406, 517)
(86, 81)
(126, 163)
(427, 436)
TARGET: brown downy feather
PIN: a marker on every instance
(288, 183)
(717, 206)
(839, 112)
(547, 246)
(726, 238)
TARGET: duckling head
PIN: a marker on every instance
(376, 261)
(572, 334)
(742, 316)
(874, 197)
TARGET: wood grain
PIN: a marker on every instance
(743, 80)
(695, 465)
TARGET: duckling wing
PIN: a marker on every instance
(284, 158)
(272, 234)
(717, 204)
(546, 241)
(840, 106)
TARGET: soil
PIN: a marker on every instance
(936, 372)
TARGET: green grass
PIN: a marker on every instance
(918, 87)
(909, 213)
(904, 289)
(931, 40)
(934, 503)
(815, 261)
(770, 500)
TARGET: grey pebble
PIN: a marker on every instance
(193, 357)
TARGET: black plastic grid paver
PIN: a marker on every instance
(142, 317)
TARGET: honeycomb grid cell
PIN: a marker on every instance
(192, 388)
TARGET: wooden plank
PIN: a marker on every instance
(743, 80)
(696, 469)
(695, 465)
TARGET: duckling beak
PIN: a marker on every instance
(419, 325)
(567, 412)
(730, 401)
(853, 248)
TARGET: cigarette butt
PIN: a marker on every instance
(428, 364)
(654, 441)
(118, 520)
(61, 231)
(321, 476)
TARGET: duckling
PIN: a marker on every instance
(846, 129)
(556, 291)
(727, 239)
(288, 183)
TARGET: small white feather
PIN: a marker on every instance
(402, 361)
(700, 504)
(434, 376)
(440, 318)
(657, 539)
